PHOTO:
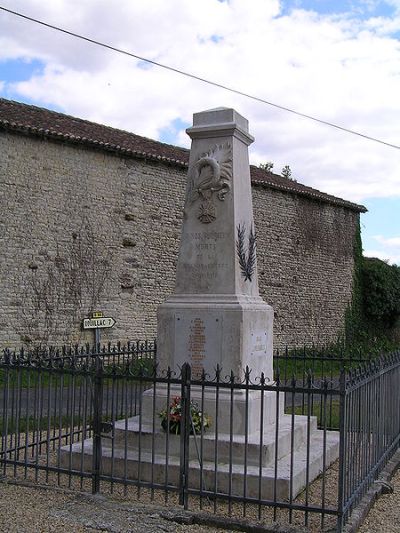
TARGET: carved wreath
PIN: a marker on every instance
(211, 174)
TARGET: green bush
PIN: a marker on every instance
(380, 290)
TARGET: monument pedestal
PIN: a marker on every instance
(231, 331)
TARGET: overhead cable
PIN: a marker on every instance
(199, 78)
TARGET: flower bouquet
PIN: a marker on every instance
(171, 417)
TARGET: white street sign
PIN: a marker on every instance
(96, 323)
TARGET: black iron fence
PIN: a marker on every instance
(370, 427)
(302, 450)
(142, 352)
(321, 368)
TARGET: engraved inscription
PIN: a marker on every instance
(204, 271)
(204, 264)
(196, 348)
(205, 246)
(198, 340)
(209, 236)
(259, 343)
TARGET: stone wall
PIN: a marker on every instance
(86, 230)
(305, 263)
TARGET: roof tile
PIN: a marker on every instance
(38, 121)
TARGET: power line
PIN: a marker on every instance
(198, 78)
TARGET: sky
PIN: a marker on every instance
(336, 60)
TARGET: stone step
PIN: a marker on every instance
(131, 433)
(240, 480)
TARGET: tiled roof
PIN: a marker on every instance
(37, 121)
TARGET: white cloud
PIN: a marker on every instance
(392, 259)
(393, 242)
(338, 68)
(389, 249)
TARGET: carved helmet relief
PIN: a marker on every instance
(210, 175)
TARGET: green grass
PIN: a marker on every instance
(54, 423)
(44, 377)
(31, 378)
(30, 424)
(319, 360)
(329, 418)
(318, 366)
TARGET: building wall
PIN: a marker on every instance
(83, 229)
(305, 263)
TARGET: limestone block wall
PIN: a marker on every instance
(84, 230)
(305, 262)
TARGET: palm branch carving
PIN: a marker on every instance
(247, 259)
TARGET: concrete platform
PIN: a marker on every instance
(251, 474)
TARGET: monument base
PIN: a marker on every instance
(250, 449)
(231, 331)
(232, 464)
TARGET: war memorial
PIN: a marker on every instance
(214, 325)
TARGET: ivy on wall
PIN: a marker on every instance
(381, 290)
(374, 311)
(354, 320)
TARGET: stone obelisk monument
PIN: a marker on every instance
(216, 316)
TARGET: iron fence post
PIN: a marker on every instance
(185, 432)
(97, 400)
(5, 408)
(342, 448)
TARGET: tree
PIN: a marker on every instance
(286, 172)
(268, 166)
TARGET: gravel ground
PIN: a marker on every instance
(36, 510)
(384, 517)
(26, 506)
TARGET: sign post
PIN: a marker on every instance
(96, 323)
